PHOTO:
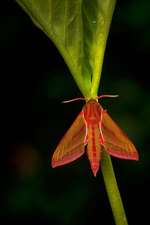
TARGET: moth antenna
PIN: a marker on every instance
(73, 100)
(98, 97)
(107, 96)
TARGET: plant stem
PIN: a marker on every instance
(113, 191)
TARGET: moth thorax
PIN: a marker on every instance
(92, 112)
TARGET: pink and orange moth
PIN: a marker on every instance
(95, 129)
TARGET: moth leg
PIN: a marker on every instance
(86, 136)
(102, 140)
(86, 140)
(86, 129)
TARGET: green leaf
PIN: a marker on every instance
(79, 29)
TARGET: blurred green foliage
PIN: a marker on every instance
(34, 78)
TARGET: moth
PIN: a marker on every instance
(95, 129)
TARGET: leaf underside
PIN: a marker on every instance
(79, 29)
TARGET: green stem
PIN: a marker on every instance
(113, 191)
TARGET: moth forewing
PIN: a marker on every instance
(71, 145)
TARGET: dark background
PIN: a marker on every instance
(34, 81)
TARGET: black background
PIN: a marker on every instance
(34, 81)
